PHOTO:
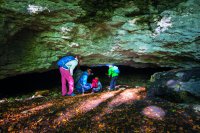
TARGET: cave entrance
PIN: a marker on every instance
(50, 80)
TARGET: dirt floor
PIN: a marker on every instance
(123, 110)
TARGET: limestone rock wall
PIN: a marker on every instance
(34, 34)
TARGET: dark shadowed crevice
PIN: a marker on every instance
(18, 47)
(29, 83)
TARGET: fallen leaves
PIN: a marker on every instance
(90, 113)
(196, 127)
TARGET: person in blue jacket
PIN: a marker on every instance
(82, 85)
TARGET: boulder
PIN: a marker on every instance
(179, 85)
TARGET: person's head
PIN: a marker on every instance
(110, 65)
(78, 57)
(74, 55)
(89, 71)
(97, 78)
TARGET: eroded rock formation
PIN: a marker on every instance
(149, 33)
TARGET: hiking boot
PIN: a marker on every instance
(71, 94)
(111, 89)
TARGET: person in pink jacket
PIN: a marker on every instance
(96, 85)
(67, 65)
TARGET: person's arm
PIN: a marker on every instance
(93, 83)
(72, 64)
(85, 77)
(109, 72)
(99, 85)
(84, 83)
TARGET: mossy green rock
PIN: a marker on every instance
(35, 34)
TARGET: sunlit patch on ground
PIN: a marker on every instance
(25, 114)
(154, 112)
(125, 97)
(84, 106)
(38, 108)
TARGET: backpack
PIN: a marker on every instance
(77, 75)
(116, 69)
(64, 60)
(94, 83)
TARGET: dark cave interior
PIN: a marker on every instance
(29, 83)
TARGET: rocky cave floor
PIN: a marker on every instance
(124, 110)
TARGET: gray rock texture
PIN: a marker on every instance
(176, 85)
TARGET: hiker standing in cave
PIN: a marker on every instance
(113, 72)
(67, 65)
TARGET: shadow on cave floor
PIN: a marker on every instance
(28, 84)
